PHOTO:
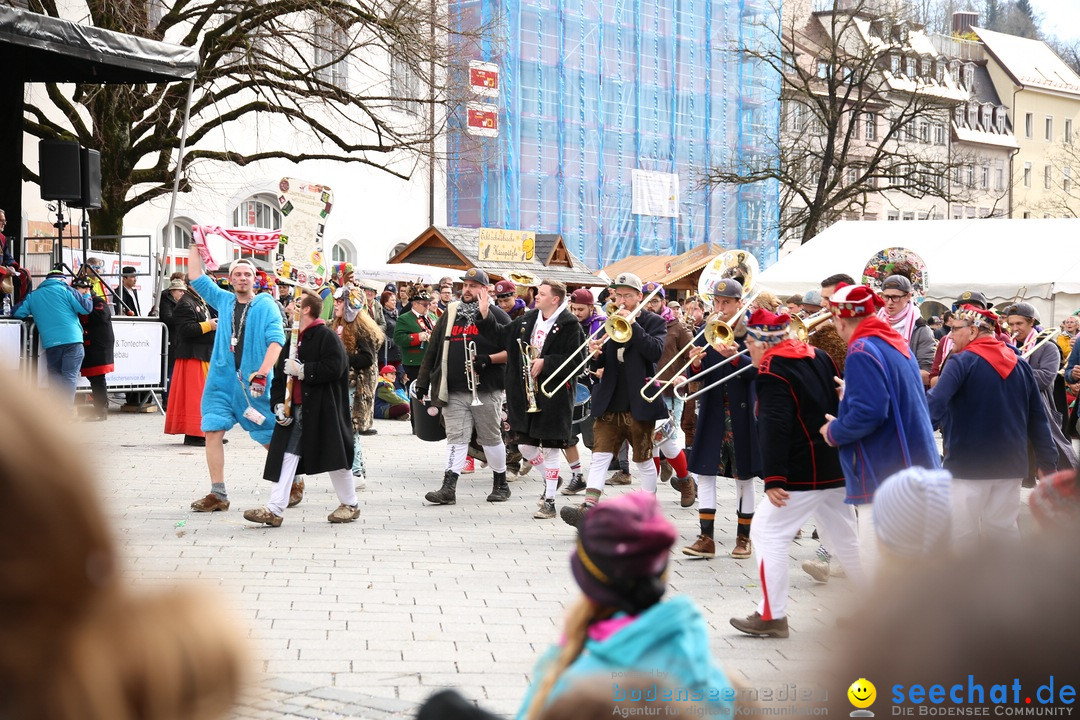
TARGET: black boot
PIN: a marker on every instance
(446, 495)
(500, 491)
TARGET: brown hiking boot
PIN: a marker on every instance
(687, 486)
(754, 625)
(703, 547)
(296, 494)
(619, 478)
(742, 549)
(210, 503)
(344, 514)
(263, 517)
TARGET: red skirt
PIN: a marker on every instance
(184, 414)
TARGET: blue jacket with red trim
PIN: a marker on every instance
(884, 424)
(793, 396)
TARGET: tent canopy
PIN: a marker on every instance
(38, 48)
(998, 257)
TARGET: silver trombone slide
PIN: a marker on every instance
(708, 370)
(718, 383)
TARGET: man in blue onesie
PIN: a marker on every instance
(249, 340)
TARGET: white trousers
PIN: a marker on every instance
(986, 510)
(774, 527)
(744, 493)
(598, 471)
(279, 495)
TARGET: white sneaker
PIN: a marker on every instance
(361, 482)
(817, 569)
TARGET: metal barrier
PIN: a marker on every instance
(141, 356)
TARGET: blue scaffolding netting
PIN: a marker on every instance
(592, 90)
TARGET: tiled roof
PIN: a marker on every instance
(1031, 62)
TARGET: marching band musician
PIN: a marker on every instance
(795, 393)
(725, 442)
(906, 320)
(550, 333)
(1045, 361)
(945, 345)
(583, 306)
(883, 424)
(666, 440)
(985, 401)
(618, 410)
(470, 396)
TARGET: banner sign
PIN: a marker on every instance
(484, 78)
(137, 356)
(11, 344)
(655, 193)
(304, 208)
(483, 119)
(511, 246)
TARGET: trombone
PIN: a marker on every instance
(1047, 337)
(616, 327)
(472, 378)
(717, 334)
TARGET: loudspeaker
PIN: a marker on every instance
(90, 162)
(59, 170)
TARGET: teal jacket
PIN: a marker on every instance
(671, 638)
(56, 307)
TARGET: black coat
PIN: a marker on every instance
(552, 425)
(327, 440)
(189, 339)
(705, 456)
(640, 356)
(793, 397)
(98, 340)
(390, 353)
(125, 302)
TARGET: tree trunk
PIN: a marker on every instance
(112, 118)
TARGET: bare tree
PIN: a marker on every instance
(858, 123)
(1062, 199)
(286, 59)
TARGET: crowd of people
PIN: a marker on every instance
(829, 401)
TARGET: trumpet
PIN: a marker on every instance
(528, 354)
(616, 327)
(471, 377)
(803, 328)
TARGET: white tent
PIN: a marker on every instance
(397, 272)
(995, 256)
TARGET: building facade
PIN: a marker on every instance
(607, 116)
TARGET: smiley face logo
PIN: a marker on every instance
(862, 693)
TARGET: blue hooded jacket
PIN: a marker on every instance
(56, 307)
(671, 638)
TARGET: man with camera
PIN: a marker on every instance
(241, 365)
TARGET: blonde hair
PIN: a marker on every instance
(77, 642)
(579, 617)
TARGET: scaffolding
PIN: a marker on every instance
(592, 90)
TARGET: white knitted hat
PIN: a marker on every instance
(912, 509)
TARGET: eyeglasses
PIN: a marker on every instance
(894, 298)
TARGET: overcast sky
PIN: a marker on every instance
(1059, 17)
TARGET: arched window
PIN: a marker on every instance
(258, 211)
(343, 251)
(176, 238)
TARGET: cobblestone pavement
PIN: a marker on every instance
(365, 620)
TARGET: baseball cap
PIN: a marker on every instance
(505, 288)
(582, 296)
(629, 280)
(728, 288)
(476, 275)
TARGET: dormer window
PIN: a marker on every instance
(954, 70)
(958, 115)
(999, 119)
(940, 67)
(894, 63)
(973, 117)
(984, 117)
(969, 75)
(910, 68)
(924, 69)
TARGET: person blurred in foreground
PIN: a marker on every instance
(77, 643)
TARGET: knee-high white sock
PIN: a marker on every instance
(551, 471)
(456, 456)
(706, 491)
(532, 454)
(598, 470)
(744, 493)
(279, 495)
(647, 470)
(496, 457)
(344, 486)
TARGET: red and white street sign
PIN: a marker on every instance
(484, 78)
(483, 119)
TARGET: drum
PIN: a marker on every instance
(426, 427)
(582, 404)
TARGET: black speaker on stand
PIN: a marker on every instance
(60, 170)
